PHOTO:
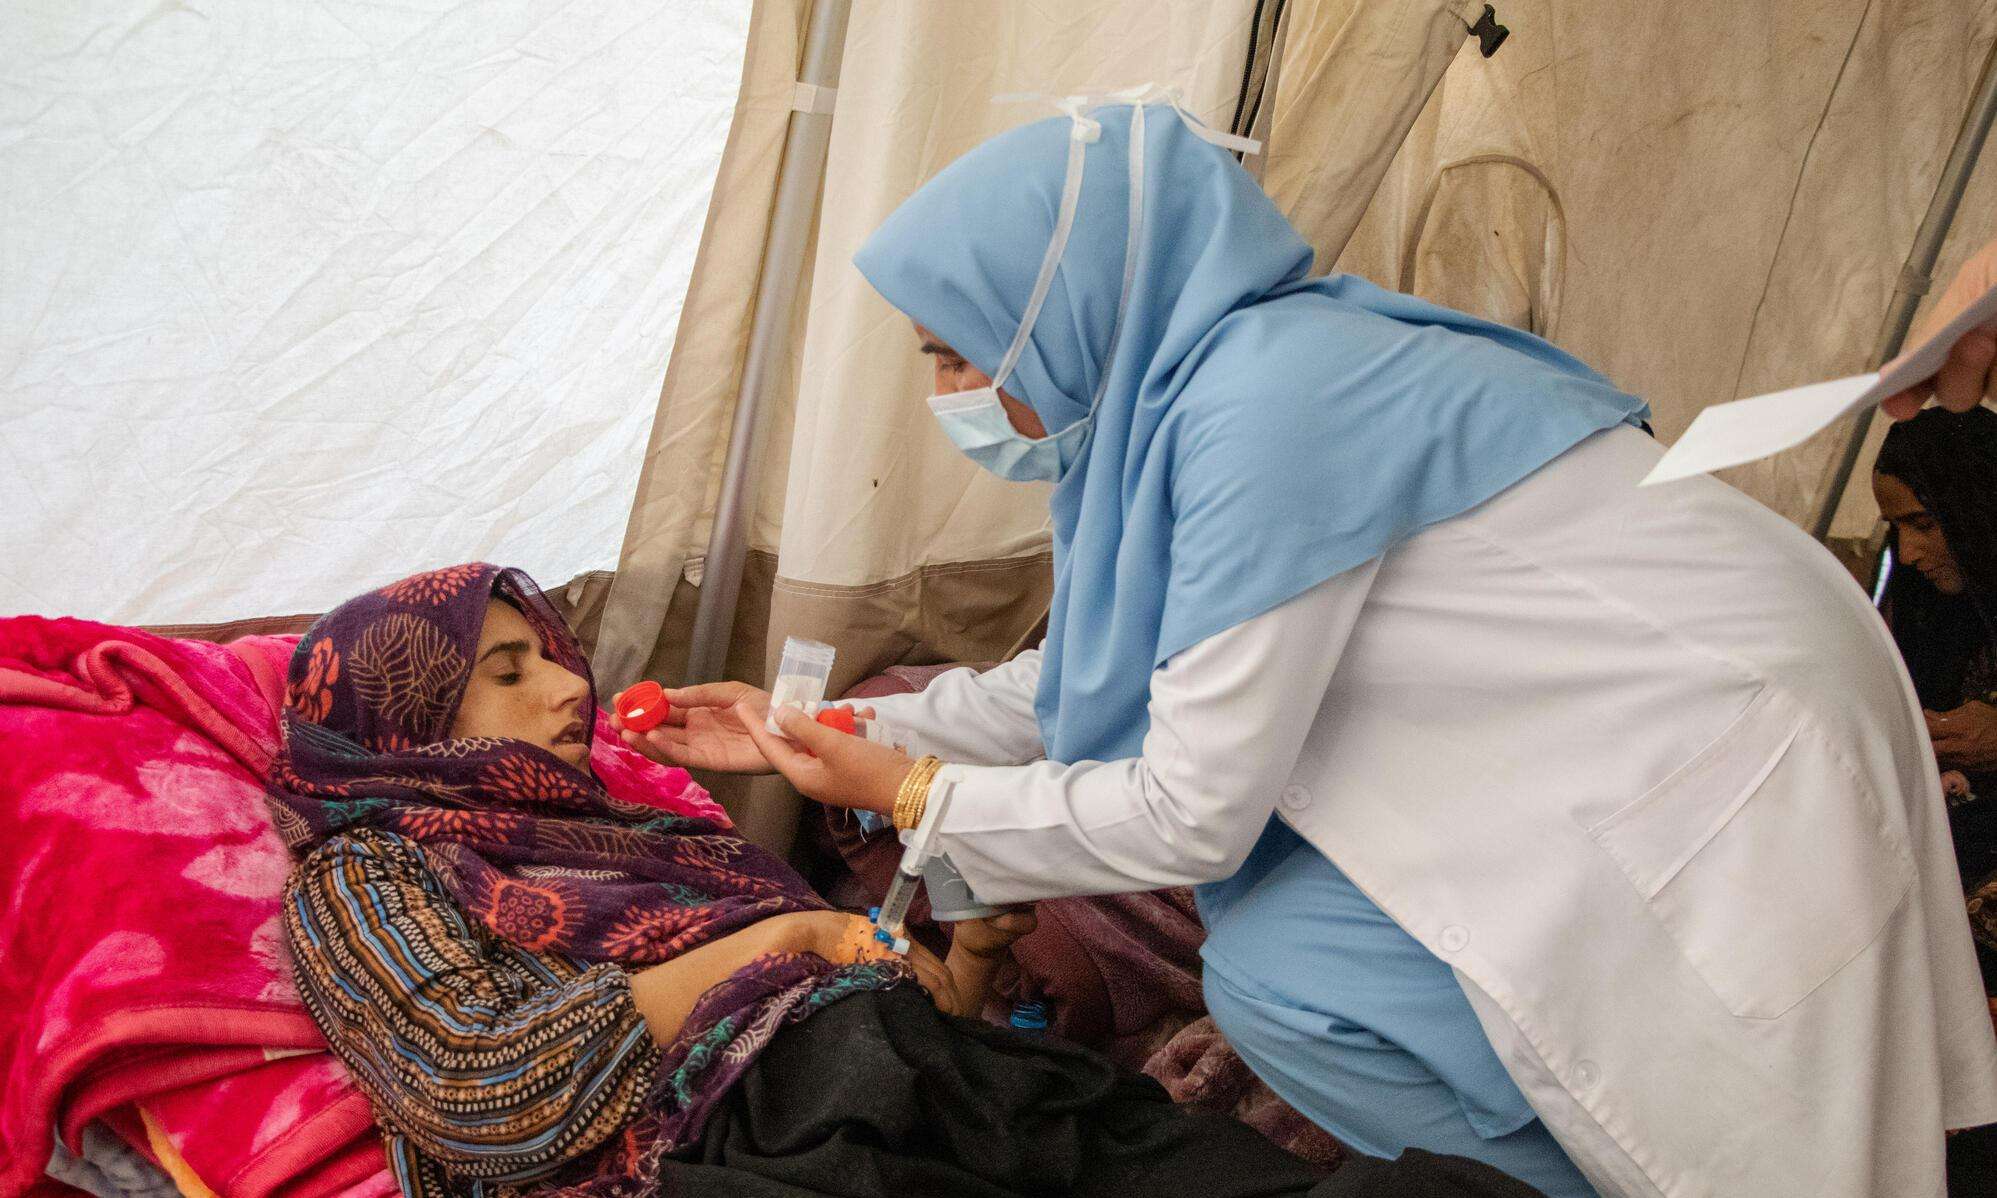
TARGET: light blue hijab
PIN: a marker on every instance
(1258, 433)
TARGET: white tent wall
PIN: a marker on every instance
(297, 298)
(1729, 194)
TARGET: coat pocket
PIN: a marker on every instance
(1767, 858)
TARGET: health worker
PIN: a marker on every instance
(1587, 829)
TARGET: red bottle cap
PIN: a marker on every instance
(643, 707)
(840, 718)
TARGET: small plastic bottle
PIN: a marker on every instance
(801, 677)
(1029, 1016)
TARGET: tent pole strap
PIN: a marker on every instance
(791, 217)
(1916, 276)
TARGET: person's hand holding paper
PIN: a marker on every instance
(1967, 375)
(1946, 363)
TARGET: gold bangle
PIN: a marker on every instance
(913, 797)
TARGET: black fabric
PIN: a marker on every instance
(879, 1096)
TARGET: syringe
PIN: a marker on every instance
(908, 874)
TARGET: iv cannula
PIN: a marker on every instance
(908, 874)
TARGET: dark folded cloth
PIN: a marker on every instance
(879, 1095)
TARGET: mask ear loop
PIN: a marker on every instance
(1083, 132)
(1148, 93)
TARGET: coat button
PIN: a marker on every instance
(1296, 798)
(1454, 938)
(1586, 1074)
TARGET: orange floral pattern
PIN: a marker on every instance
(443, 823)
(533, 917)
(433, 587)
(654, 934)
(406, 668)
(312, 696)
(530, 781)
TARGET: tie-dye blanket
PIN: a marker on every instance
(143, 961)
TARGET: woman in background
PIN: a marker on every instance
(1936, 482)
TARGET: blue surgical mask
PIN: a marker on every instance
(976, 423)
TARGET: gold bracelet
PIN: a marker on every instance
(913, 798)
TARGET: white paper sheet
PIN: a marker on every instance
(1742, 431)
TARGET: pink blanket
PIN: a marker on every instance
(142, 958)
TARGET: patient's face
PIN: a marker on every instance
(518, 693)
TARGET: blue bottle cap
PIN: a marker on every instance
(1030, 1016)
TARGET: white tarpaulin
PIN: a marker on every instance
(297, 298)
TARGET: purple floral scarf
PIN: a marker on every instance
(542, 854)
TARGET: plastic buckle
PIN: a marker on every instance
(1490, 35)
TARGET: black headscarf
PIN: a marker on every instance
(1949, 460)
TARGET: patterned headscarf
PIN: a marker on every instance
(541, 853)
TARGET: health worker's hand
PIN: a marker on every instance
(993, 935)
(1965, 738)
(935, 978)
(703, 731)
(823, 763)
(1954, 784)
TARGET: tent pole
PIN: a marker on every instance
(1917, 275)
(791, 217)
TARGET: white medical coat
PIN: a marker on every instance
(1641, 764)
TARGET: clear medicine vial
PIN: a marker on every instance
(801, 677)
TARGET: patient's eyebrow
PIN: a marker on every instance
(504, 647)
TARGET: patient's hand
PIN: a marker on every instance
(703, 731)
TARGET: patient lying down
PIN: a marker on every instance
(558, 975)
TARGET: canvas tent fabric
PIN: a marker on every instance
(300, 298)
(303, 297)
(871, 533)
(1705, 201)
(886, 541)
